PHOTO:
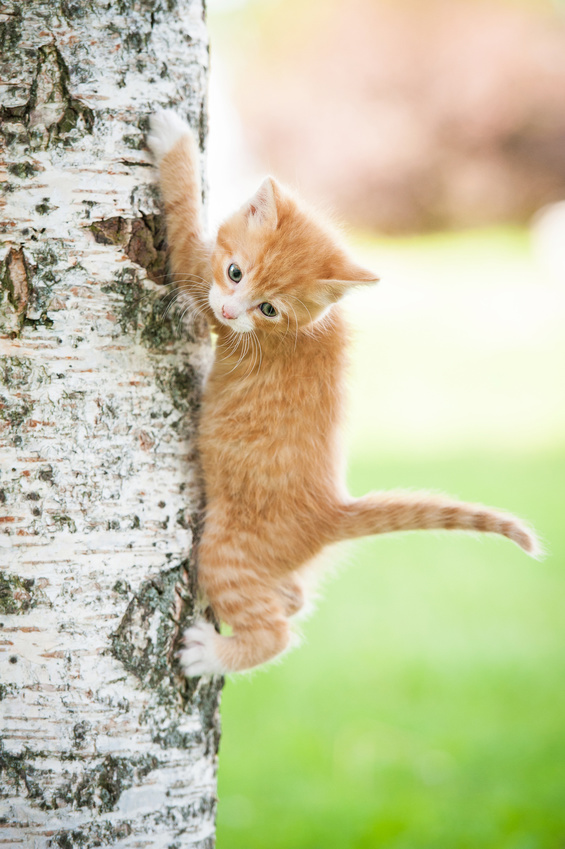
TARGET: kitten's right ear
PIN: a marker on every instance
(261, 209)
(348, 274)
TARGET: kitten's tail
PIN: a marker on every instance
(384, 512)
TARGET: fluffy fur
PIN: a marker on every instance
(272, 410)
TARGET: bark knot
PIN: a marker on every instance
(143, 240)
(14, 278)
(15, 290)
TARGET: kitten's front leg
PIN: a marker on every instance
(175, 149)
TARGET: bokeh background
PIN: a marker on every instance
(426, 706)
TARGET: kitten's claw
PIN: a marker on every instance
(199, 655)
(165, 130)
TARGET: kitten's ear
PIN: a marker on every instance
(348, 274)
(261, 209)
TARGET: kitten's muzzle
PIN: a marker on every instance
(229, 312)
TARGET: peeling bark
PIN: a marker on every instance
(103, 743)
(142, 239)
(14, 281)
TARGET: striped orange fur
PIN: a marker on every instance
(270, 286)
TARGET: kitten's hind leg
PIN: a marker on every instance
(206, 652)
(292, 596)
(256, 614)
(199, 655)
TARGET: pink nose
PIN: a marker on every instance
(228, 312)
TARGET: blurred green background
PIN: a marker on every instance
(426, 704)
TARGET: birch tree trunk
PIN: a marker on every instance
(103, 743)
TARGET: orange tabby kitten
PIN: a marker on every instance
(270, 287)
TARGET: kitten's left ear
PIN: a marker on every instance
(261, 209)
(348, 274)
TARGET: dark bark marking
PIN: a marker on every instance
(95, 834)
(10, 30)
(16, 594)
(138, 311)
(16, 373)
(96, 788)
(183, 387)
(23, 170)
(46, 474)
(19, 595)
(133, 647)
(143, 240)
(74, 9)
(44, 207)
(147, 313)
(14, 280)
(26, 283)
(51, 111)
(101, 787)
(203, 125)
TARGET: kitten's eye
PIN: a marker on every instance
(268, 309)
(235, 272)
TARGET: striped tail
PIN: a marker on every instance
(386, 512)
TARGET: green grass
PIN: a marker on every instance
(426, 706)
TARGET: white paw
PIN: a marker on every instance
(199, 656)
(165, 129)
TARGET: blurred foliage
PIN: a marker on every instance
(404, 115)
(461, 344)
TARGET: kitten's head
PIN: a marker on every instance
(276, 268)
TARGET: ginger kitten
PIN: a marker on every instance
(270, 286)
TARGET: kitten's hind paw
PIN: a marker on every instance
(165, 130)
(199, 657)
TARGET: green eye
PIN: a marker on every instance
(235, 272)
(267, 309)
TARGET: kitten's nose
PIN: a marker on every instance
(228, 312)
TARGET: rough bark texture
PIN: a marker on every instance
(103, 744)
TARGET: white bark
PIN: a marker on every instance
(103, 743)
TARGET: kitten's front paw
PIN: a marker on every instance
(199, 656)
(165, 129)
